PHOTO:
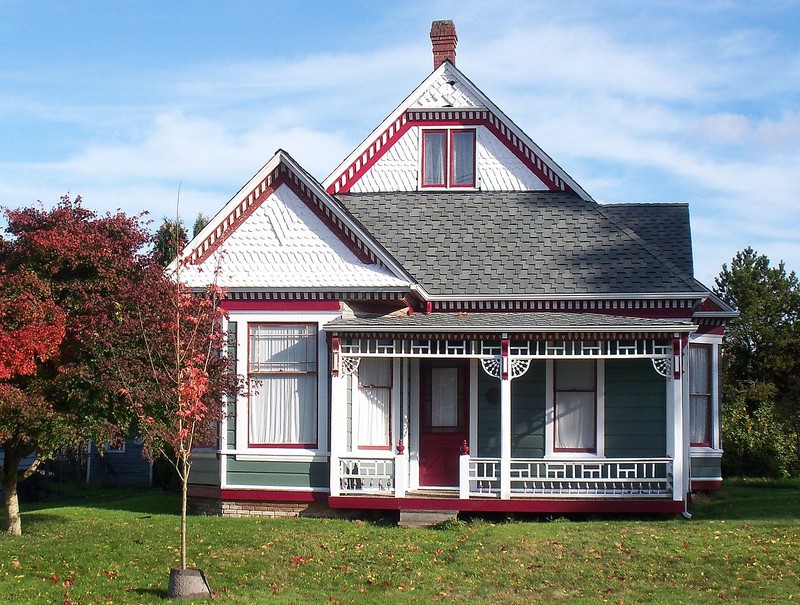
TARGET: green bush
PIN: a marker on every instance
(757, 442)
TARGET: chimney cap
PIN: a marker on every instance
(444, 40)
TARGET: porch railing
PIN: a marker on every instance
(615, 477)
(364, 475)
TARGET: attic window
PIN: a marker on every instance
(448, 158)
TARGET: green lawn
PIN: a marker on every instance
(742, 545)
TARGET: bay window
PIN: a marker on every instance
(282, 377)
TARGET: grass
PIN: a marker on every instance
(107, 547)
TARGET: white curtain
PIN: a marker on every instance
(374, 401)
(434, 158)
(699, 394)
(575, 405)
(575, 424)
(282, 347)
(463, 157)
(444, 397)
(283, 409)
(283, 384)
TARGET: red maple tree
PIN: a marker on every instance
(63, 274)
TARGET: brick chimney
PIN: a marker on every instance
(444, 41)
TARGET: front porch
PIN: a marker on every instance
(594, 420)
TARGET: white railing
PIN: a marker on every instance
(364, 475)
(615, 477)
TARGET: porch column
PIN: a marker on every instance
(505, 421)
(677, 443)
(338, 421)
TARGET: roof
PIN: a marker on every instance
(553, 322)
(527, 243)
(664, 225)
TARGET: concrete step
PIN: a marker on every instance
(425, 518)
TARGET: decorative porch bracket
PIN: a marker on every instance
(663, 366)
(518, 367)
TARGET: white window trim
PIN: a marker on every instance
(715, 340)
(550, 415)
(243, 319)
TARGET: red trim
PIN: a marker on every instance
(510, 506)
(717, 330)
(445, 155)
(280, 305)
(707, 486)
(253, 495)
(315, 372)
(377, 148)
(452, 156)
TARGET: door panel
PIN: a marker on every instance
(444, 420)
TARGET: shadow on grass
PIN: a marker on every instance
(750, 499)
(154, 592)
(134, 500)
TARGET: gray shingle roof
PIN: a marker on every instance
(526, 243)
(545, 321)
(665, 226)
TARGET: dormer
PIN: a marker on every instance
(448, 135)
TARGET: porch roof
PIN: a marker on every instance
(498, 323)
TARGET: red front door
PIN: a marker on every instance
(444, 420)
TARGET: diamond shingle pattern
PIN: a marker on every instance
(519, 243)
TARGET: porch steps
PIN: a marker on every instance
(425, 518)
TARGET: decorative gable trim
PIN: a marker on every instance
(534, 161)
(406, 115)
(283, 170)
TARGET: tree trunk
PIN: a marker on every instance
(10, 500)
(184, 475)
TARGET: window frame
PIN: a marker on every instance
(555, 390)
(448, 163)
(709, 395)
(314, 357)
(389, 418)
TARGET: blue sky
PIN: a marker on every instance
(638, 101)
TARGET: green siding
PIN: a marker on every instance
(277, 474)
(488, 415)
(230, 421)
(706, 467)
(528, 404)
(205, 471)
(527, 413)
(635, 410)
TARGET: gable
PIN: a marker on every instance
(283, 232)
(391, 158)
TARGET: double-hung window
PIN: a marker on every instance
(374, 402)
(575, 406)
(282, 372)
(448, 158)
(700, 395)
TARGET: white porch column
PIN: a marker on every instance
(677, 438)
(338, 428)
(400, 475)
(505, 421)
(463, 477)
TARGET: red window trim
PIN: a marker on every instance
(451, 157)
(390, 388)
(313, 445)
(590, 450)
(447, 182)
(445, 161)
(709, 396)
